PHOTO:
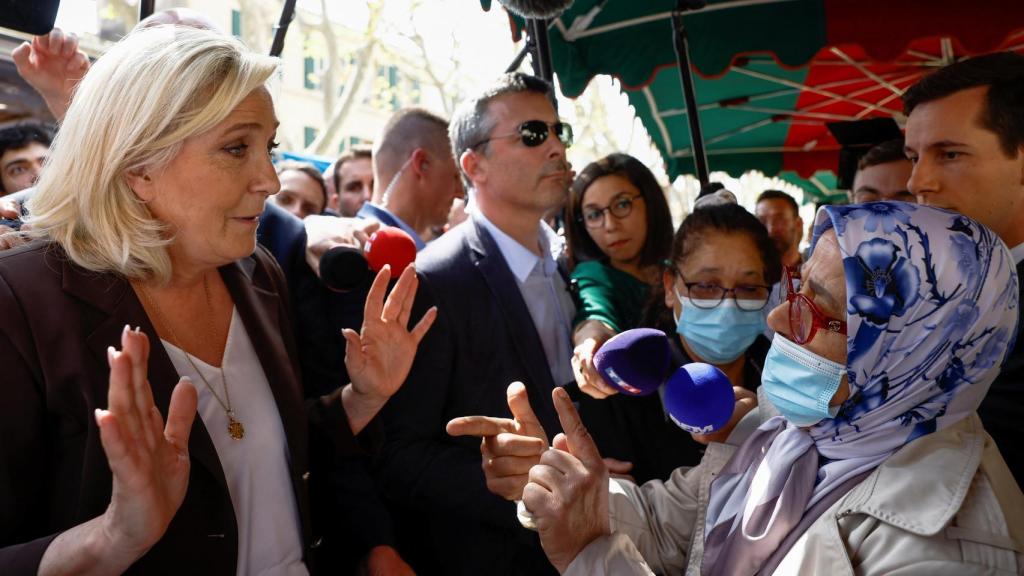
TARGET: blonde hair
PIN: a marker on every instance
(131, 113)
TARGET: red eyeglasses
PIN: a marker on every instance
(804, 317)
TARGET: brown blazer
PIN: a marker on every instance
(56, 321)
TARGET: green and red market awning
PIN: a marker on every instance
(769, 74)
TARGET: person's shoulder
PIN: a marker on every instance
(590, 269)
(34, 258)
(447, 254)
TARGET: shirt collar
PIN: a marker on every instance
(521, 261)
(380, 213)
(1018, 253)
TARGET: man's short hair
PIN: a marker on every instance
(307, 169)
(780, 195)
(22, 135)
(407, 130)
(884, 153)
(1002, 73)
(354, 153)
(472, 124)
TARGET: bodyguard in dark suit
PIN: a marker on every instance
(503, 314)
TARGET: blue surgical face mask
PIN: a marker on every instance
(800, 383)
(721, 334)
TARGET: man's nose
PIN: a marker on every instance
(922, 179)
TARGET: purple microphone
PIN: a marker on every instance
(635, 362)
(699, 398)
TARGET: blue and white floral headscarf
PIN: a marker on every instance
(931, 301)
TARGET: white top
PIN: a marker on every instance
(1018, 253)
(255, 467)
(544, 291)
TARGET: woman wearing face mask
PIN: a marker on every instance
(715, 305)
(878, 463)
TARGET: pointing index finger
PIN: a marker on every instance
(579, 441)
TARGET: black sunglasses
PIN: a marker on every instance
(533, 133)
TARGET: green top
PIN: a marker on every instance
(610, 295)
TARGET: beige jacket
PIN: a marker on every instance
(944, 504)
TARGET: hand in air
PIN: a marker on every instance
(567, 493)
(148, 459)
(378, 358)
(53, 65)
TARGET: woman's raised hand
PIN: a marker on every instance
(379, 357)
(148, 458)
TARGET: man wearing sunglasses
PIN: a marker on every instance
(504, 316)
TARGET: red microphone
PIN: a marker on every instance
(390, 245)
(345, 268)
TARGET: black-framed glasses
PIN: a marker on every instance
(805, 318)
(533, 133)
(708, 295)
(619, 208)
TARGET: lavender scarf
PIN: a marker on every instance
(931, 301)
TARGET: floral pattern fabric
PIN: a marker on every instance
(931, 312)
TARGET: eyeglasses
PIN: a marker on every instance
(533, 133)
(620, 208)
(708, 295)
(805, 318)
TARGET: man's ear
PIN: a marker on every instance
(799, 229)
(419, 162)
(140, 181)
(473, 166)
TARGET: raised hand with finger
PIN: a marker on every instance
(378, 358)
(53, 65)
(149, 462)
(509, 446)
(567, 493)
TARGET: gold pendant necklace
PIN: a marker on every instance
(235, 428)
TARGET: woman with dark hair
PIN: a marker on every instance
(620, 237)
(619, 230)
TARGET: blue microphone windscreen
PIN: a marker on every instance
(699, 398)
(635, 361)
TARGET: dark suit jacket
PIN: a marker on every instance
(56, 321)
(1002, 409)
(483, 339)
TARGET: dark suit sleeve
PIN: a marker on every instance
(23, 468)
(423, 468)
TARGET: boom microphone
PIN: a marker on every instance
(635, 362)
(537, 8)
(699, 398)
(345, 268)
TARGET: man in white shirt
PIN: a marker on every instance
(965, 137)
(504, 316)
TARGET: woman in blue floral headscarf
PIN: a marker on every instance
(878, 463)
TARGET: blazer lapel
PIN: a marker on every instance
(258, 305)
(503, 285)
(117, 304)
(258, 308)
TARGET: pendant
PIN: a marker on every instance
(235, 428)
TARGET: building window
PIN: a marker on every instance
(310, 76)
(309, 134)
(236, 23)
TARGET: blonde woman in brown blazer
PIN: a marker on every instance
(144, 271)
